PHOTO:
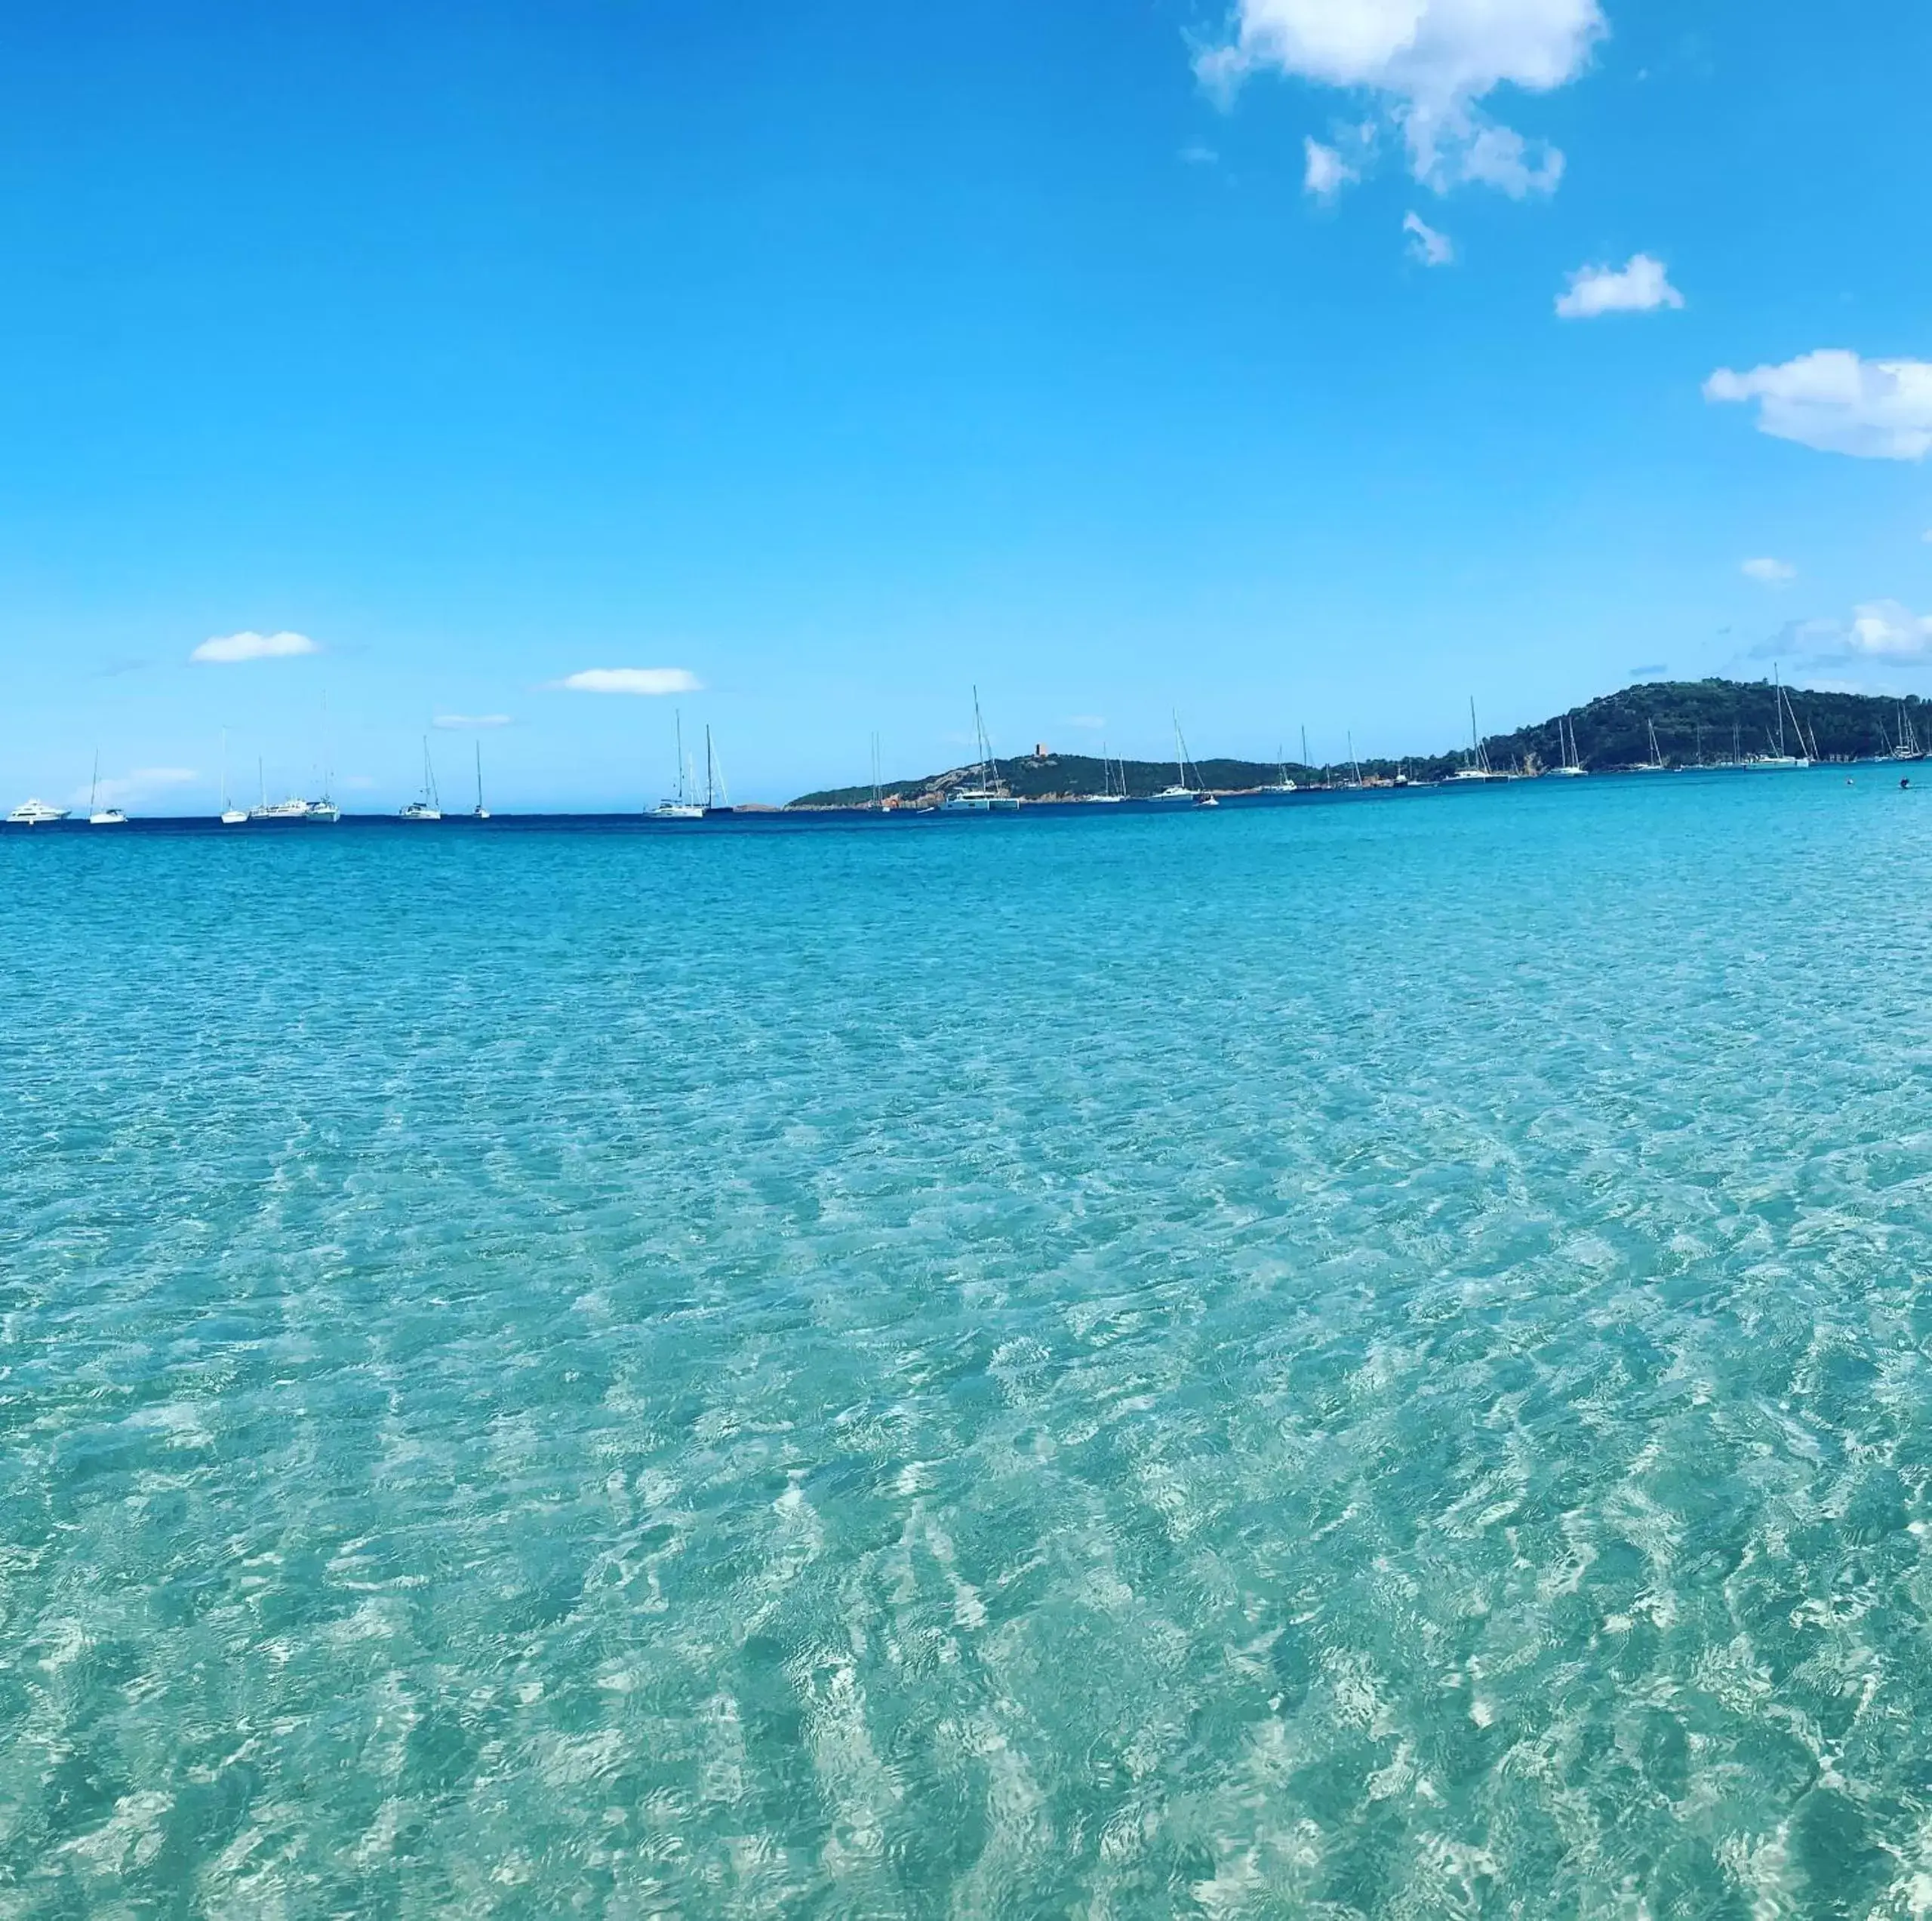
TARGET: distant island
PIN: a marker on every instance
(1698, 723)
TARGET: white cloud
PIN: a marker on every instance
(1772, 572)
(631, 679)
(1641, 287)
(1197, 156)
(1430, 62)
(1093, 723)
(1326, 172)
(1425, 244)
(462, 722)
(1877, 631)
(254, 646)
(1886, 630)
(1873, 409)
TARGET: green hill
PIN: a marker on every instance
(1697, 723)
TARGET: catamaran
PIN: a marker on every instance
(682, 805)
(428, 805)
(1478, 768)
(101, 817)
(35, 813)
(986, 792)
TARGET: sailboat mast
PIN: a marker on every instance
(707, 779)
(479, 776)
(94, 785)
(1777, 703)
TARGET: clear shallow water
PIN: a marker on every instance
(1361, 1360)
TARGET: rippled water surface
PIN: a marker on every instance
(1359, 1360)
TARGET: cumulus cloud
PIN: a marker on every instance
(1639, 287)
(1326, 173)
(1878, 631)
(1430, 63)
(462, 723)
(1425, 244)
(631, 679)
(230, 648)
(1873, 409)
(1772, 572)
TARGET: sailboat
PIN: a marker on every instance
(1906, 747)
(717, 795)
(1656, 764)
(986, 792)
(1106, 797)
(429, 806)
(1179, 793)
(325, 812)
(231, 815)
(1283, 785)
(101, 817)
(1478, 768)
(1779, 760)
(681, 806)
(1566, 741)
(479, 812)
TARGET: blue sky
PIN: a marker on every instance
(837, 359)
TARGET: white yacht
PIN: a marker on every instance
(986, 792)
(428, 805)
(35, 813)
(101, 817)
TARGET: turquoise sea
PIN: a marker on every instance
(1366, 1359)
